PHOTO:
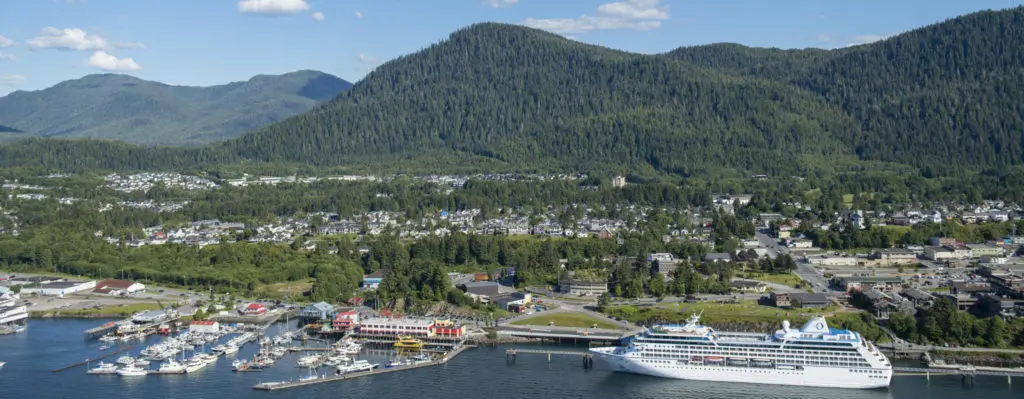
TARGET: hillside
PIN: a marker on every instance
(121, 107)
(942, 99)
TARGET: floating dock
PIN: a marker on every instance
(277, 386)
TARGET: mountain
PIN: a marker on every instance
(125, 108)
(942, 100)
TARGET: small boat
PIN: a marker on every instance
(357, 366)
(230, 349)
(2, 364)
(103, 368)
(132, 371)
(104, 347)
(125, 360)
(171, 367)
(140, 362)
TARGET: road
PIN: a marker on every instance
(771, 244)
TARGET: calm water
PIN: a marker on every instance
(476, 373)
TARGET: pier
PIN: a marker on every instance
(588, 359)
(277, 386)
(87, 361)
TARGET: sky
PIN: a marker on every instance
(210, 42)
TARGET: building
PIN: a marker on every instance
(918, 297)
(799, 243)
(204, 327)
(979, 250)
(515, 302)
(118, 287)
(255, 309)
(941, 241)
(423, 328)
(961, 301)
(448, 329)
(345, 321)
(800, 300)
(373, 280)
(749, 286)
(717, 257)
(152, 316)
(947, 252)
(60, 288)
(665, 266)
(867, 282)
(896, 256)
(488, 288)
(1007, 284)
(966, 288)
(831, 260)
(316, 311)
(618, 182)
(584, 288)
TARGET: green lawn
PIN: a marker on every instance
(788, 279)
(566, 319)
(744, 311)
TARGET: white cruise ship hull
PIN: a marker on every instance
(809, 376)
(13, 314)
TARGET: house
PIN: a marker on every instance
(345, 321)
(373, 280)
(118, 287)
(488, 288)
(618, 182)
(255, 309)
(748, 286)
(584, 288)
(316, 311)
(204, 327)
(808, 300)
(780, 300)
(941, 241)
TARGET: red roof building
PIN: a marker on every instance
(345, 320)
(255, 309)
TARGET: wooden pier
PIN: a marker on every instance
(87, 361)
(588, 359)
(277, 386)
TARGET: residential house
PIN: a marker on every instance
(373, 280)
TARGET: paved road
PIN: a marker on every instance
(908, 346)
(774, 249)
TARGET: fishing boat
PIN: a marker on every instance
(132, 371)
(103, 368)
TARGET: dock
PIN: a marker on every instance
(277, 386)
(87, 361)
(588, 359)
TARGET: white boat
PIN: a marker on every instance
(194, 364)
(357, 366)
(171, 366)
(140, 362)
(131, 371)
(308, 360)
(230, 349)
(103, 368)
(814, 355)
(2, 364)
(125, 360)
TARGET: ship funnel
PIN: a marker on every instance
(785, 325)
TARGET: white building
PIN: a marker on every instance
(387, 326)
(204, 327)
(60, 288)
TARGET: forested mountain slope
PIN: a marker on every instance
(944, 99)
(121, 107)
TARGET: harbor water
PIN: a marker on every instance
(476, 373)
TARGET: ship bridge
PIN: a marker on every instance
(816, 329)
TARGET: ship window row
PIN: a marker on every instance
(811, 346)
(768, 352)
(789, 359)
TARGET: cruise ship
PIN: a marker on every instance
(814, 356)
(12, 314)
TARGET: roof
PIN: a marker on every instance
(255, 306)
(346, 314)
(319, 306)
(203, 323)
(62, 284)
(809, 297)
(115, 284)
(478, 284)
(376, 274)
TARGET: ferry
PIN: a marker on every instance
(814, 355)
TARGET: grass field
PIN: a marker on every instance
(293, 289)
(788, 279)
(566, 319)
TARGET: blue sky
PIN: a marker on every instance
(207, 42)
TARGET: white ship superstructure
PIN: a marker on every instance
(815, 355)
(11, 311)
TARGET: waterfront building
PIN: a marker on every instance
(391, 326)
(345, 321)
(204, 327)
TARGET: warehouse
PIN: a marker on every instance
(60, 288)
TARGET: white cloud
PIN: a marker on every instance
(102, 60)
(368, 59)
(7, 57)
(501, 3)
(76, 39)
(11, 79)
(272, 7)
(318, 16)
(629, 14)
(5, 42)
(359, 14)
